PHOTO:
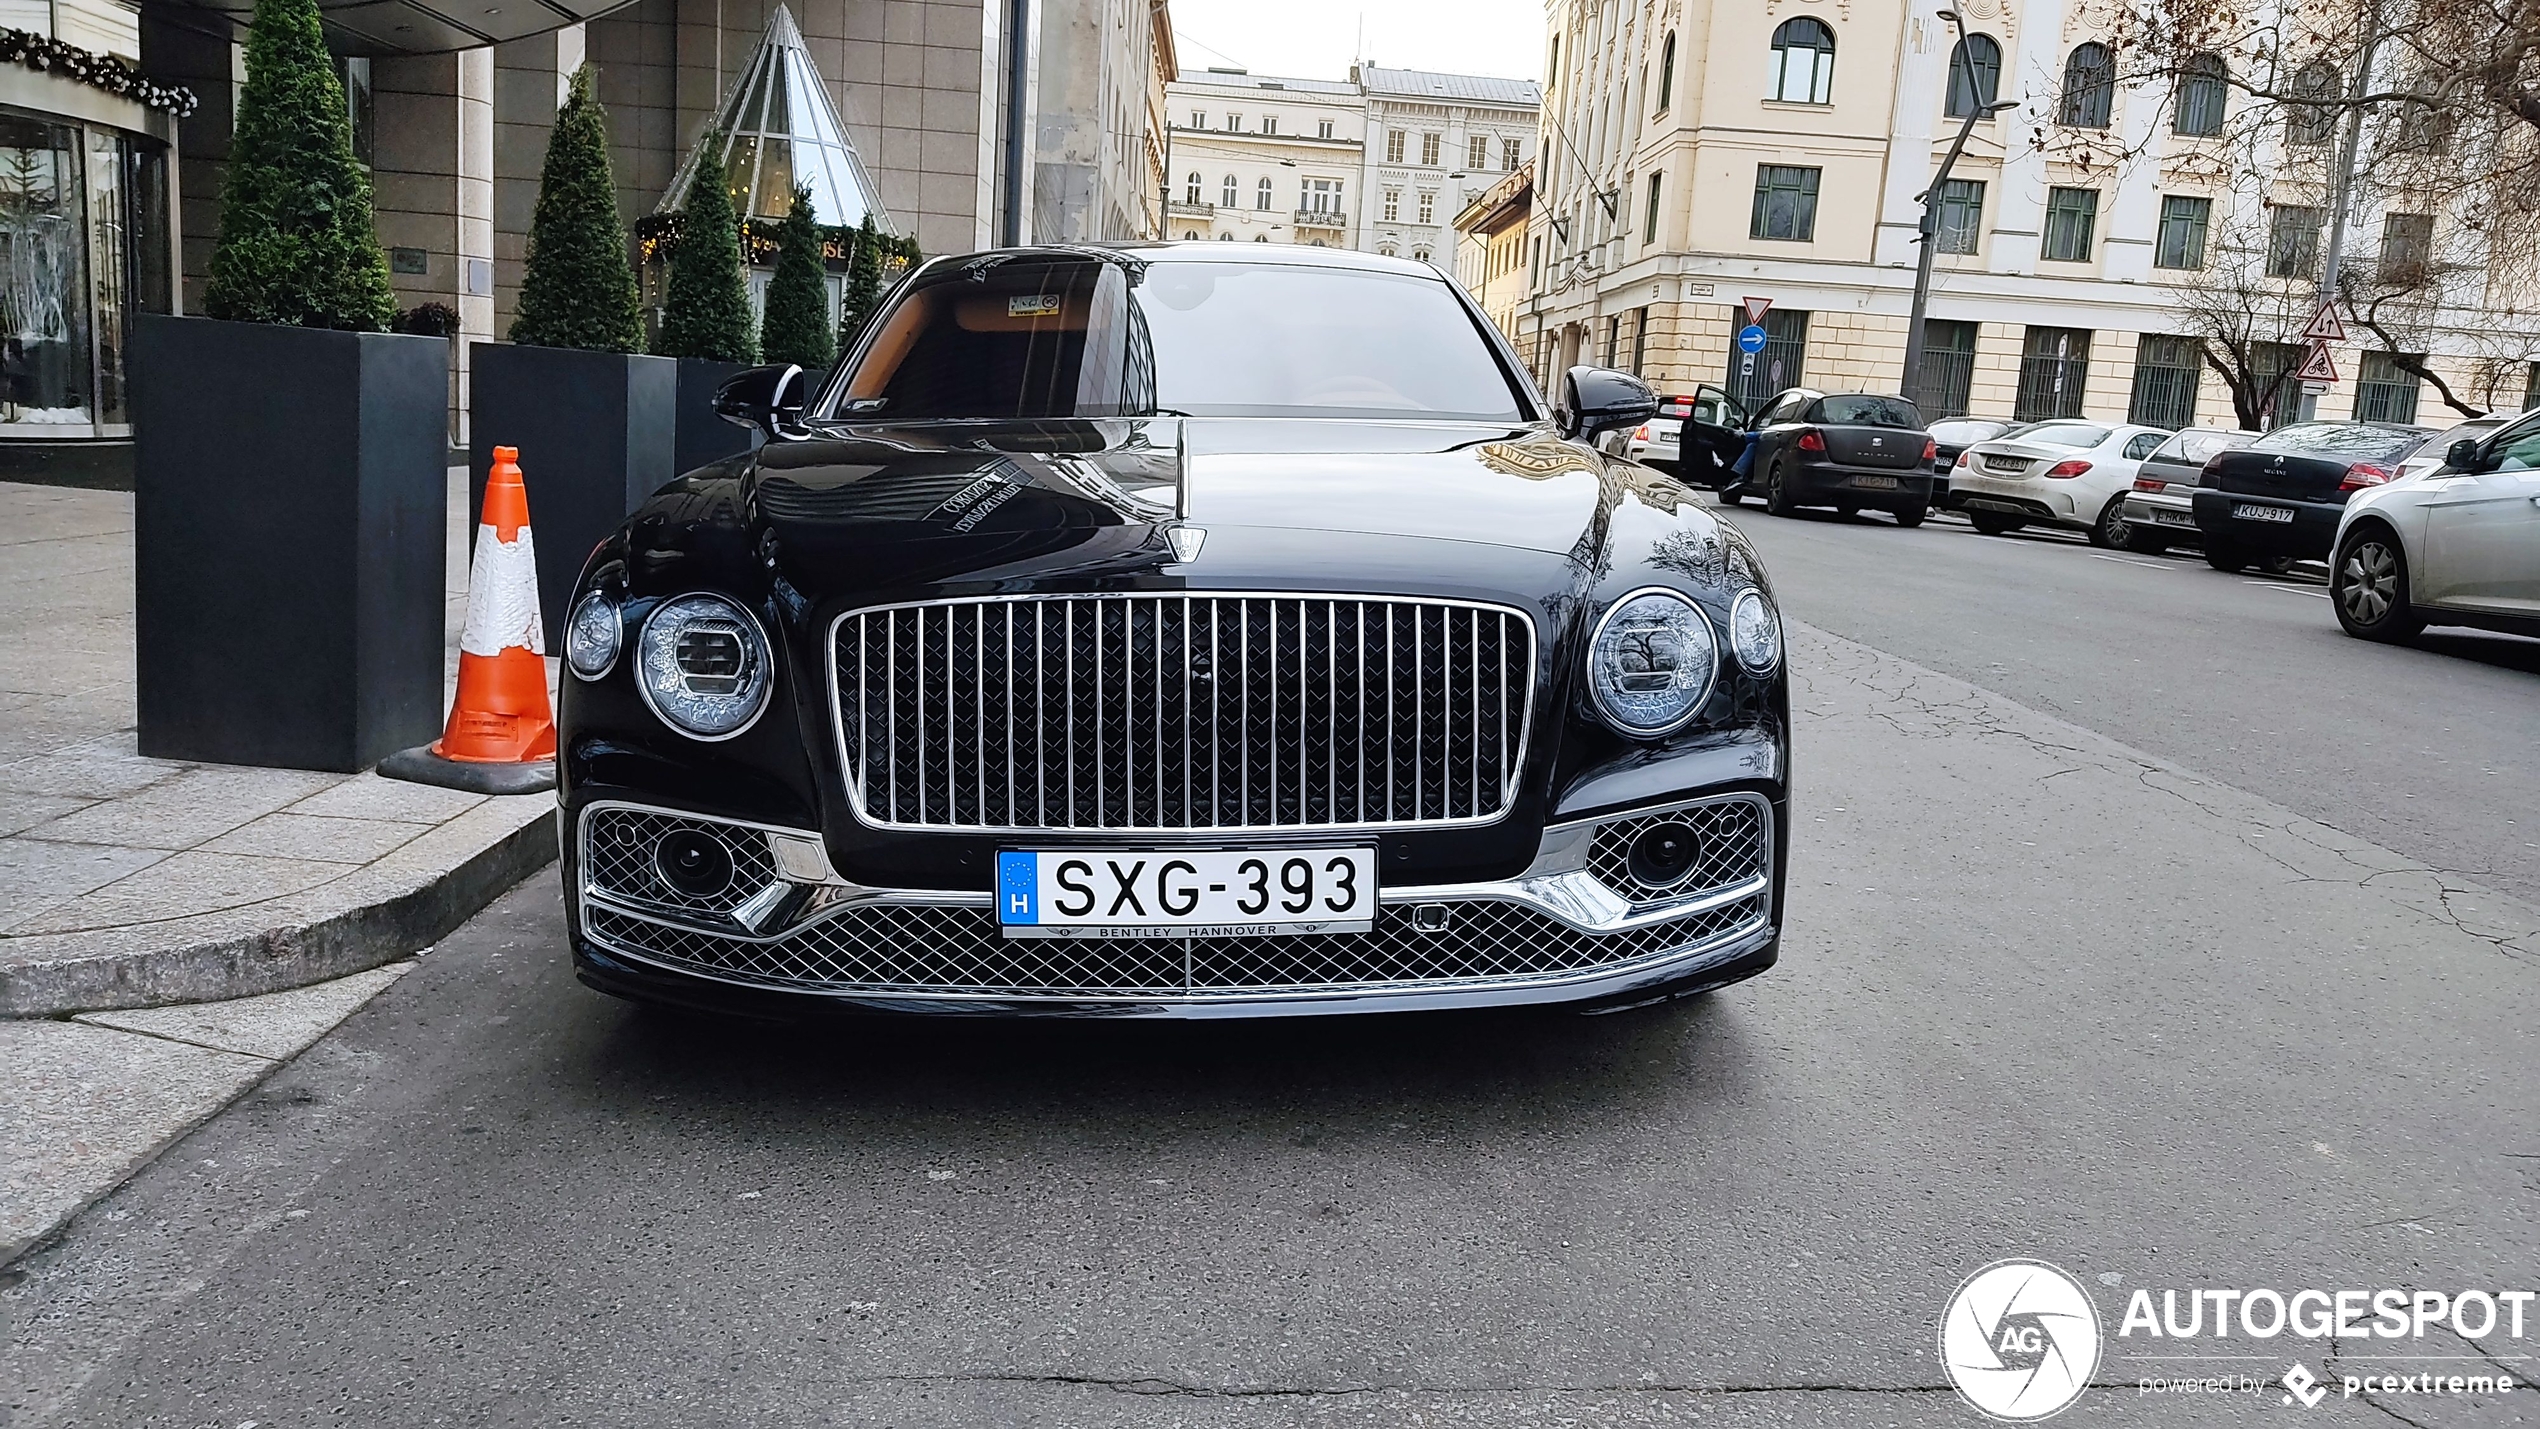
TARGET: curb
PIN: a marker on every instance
(367, 920)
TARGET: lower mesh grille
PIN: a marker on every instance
(618, 848)
(1731, 833)
(933, 949)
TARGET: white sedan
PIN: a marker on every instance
(2457, 545)
(2071, 474)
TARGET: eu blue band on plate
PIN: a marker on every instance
(1018, 888)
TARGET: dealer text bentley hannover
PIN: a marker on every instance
(1174, 630)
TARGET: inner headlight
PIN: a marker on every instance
(1755, 633)
(703, 665)
(1652, 662)
(592, 636)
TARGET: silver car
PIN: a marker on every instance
(2160, 510)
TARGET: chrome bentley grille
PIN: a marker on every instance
(888, 948)
(1183, 712)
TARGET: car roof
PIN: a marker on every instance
(1205, 250)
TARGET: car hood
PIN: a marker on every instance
(883, 506)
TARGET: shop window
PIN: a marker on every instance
(45, 356)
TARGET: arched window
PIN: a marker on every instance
(1803, 63)
(1225, 238)
(2204, 89)
(1191, 189)
(1191, 235)
(2090, 87)
(1230, 191)
(1419, 255)
(1975, 75)
(1261, 238)
(1666, 73)
(1385, 250)
(1261, 195)
(2312, 124)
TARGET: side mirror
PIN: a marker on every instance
(2463, 455)
(768, 398)
(1599, 399)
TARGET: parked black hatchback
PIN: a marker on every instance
(1850, 451)
(2281, 496)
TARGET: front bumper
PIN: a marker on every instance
(793, 939)
(2310, 535)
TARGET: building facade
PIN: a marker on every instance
(1380, 162)
(1263, 160)
(1434, 141)
(1490, 247)
(1699, 154)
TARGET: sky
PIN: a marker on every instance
(1317, 39)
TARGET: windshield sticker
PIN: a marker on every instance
(1032, 305)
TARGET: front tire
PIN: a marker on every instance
(1994, 523)
(1777, 493)
(2368, 583)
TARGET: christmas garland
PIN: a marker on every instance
(44, 53)
(656, 234)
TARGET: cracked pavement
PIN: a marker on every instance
(2044, 992)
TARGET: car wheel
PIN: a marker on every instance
(1912, 516)
(2230, 560)
(2112, 532)
(1994, 523)
(2368, 583)
(1777, 493)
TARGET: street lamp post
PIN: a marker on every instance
(1929, 198)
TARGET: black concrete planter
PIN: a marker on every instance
(703, 436)
(595, 433)
(288, 525)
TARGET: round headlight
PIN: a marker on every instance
(1755, 633)
(1652, 662)
(703, 666)
(591, 637)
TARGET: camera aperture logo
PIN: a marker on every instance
(2020, 1340)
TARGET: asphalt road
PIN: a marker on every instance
(2428, 749)
(2107, 1002)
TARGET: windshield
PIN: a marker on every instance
(2353, 441)
(1869, 412)
(1072, 337)
(2077, 435)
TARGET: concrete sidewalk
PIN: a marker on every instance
(133, 882)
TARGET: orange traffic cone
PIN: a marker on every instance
(501, 738)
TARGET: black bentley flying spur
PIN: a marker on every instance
(1174, 630)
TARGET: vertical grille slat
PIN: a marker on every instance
(1183, 712)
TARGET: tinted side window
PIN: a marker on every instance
(2517, 448)
(2142, 446)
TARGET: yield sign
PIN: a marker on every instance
(2318, 366)
(2326, 326)
(1757, 307)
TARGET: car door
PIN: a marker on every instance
(2482, 529)
(1714, 428)
(1773, 427)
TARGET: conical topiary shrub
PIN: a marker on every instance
(706, 312)
(864, 285)
(296, 245)
(578, 291)
(796, 328)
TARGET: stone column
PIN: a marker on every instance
(530, 80)
(433, 171)
(182, 52)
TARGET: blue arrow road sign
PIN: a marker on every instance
(1750, 338)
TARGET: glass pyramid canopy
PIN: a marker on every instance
(779, 132)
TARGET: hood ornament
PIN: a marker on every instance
(1185, 541)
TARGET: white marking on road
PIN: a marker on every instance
(2128, 561)
(2290, 589)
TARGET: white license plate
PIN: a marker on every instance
(1188, 893)
(2172, 518)
(1875, 483)
(2246, 512)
